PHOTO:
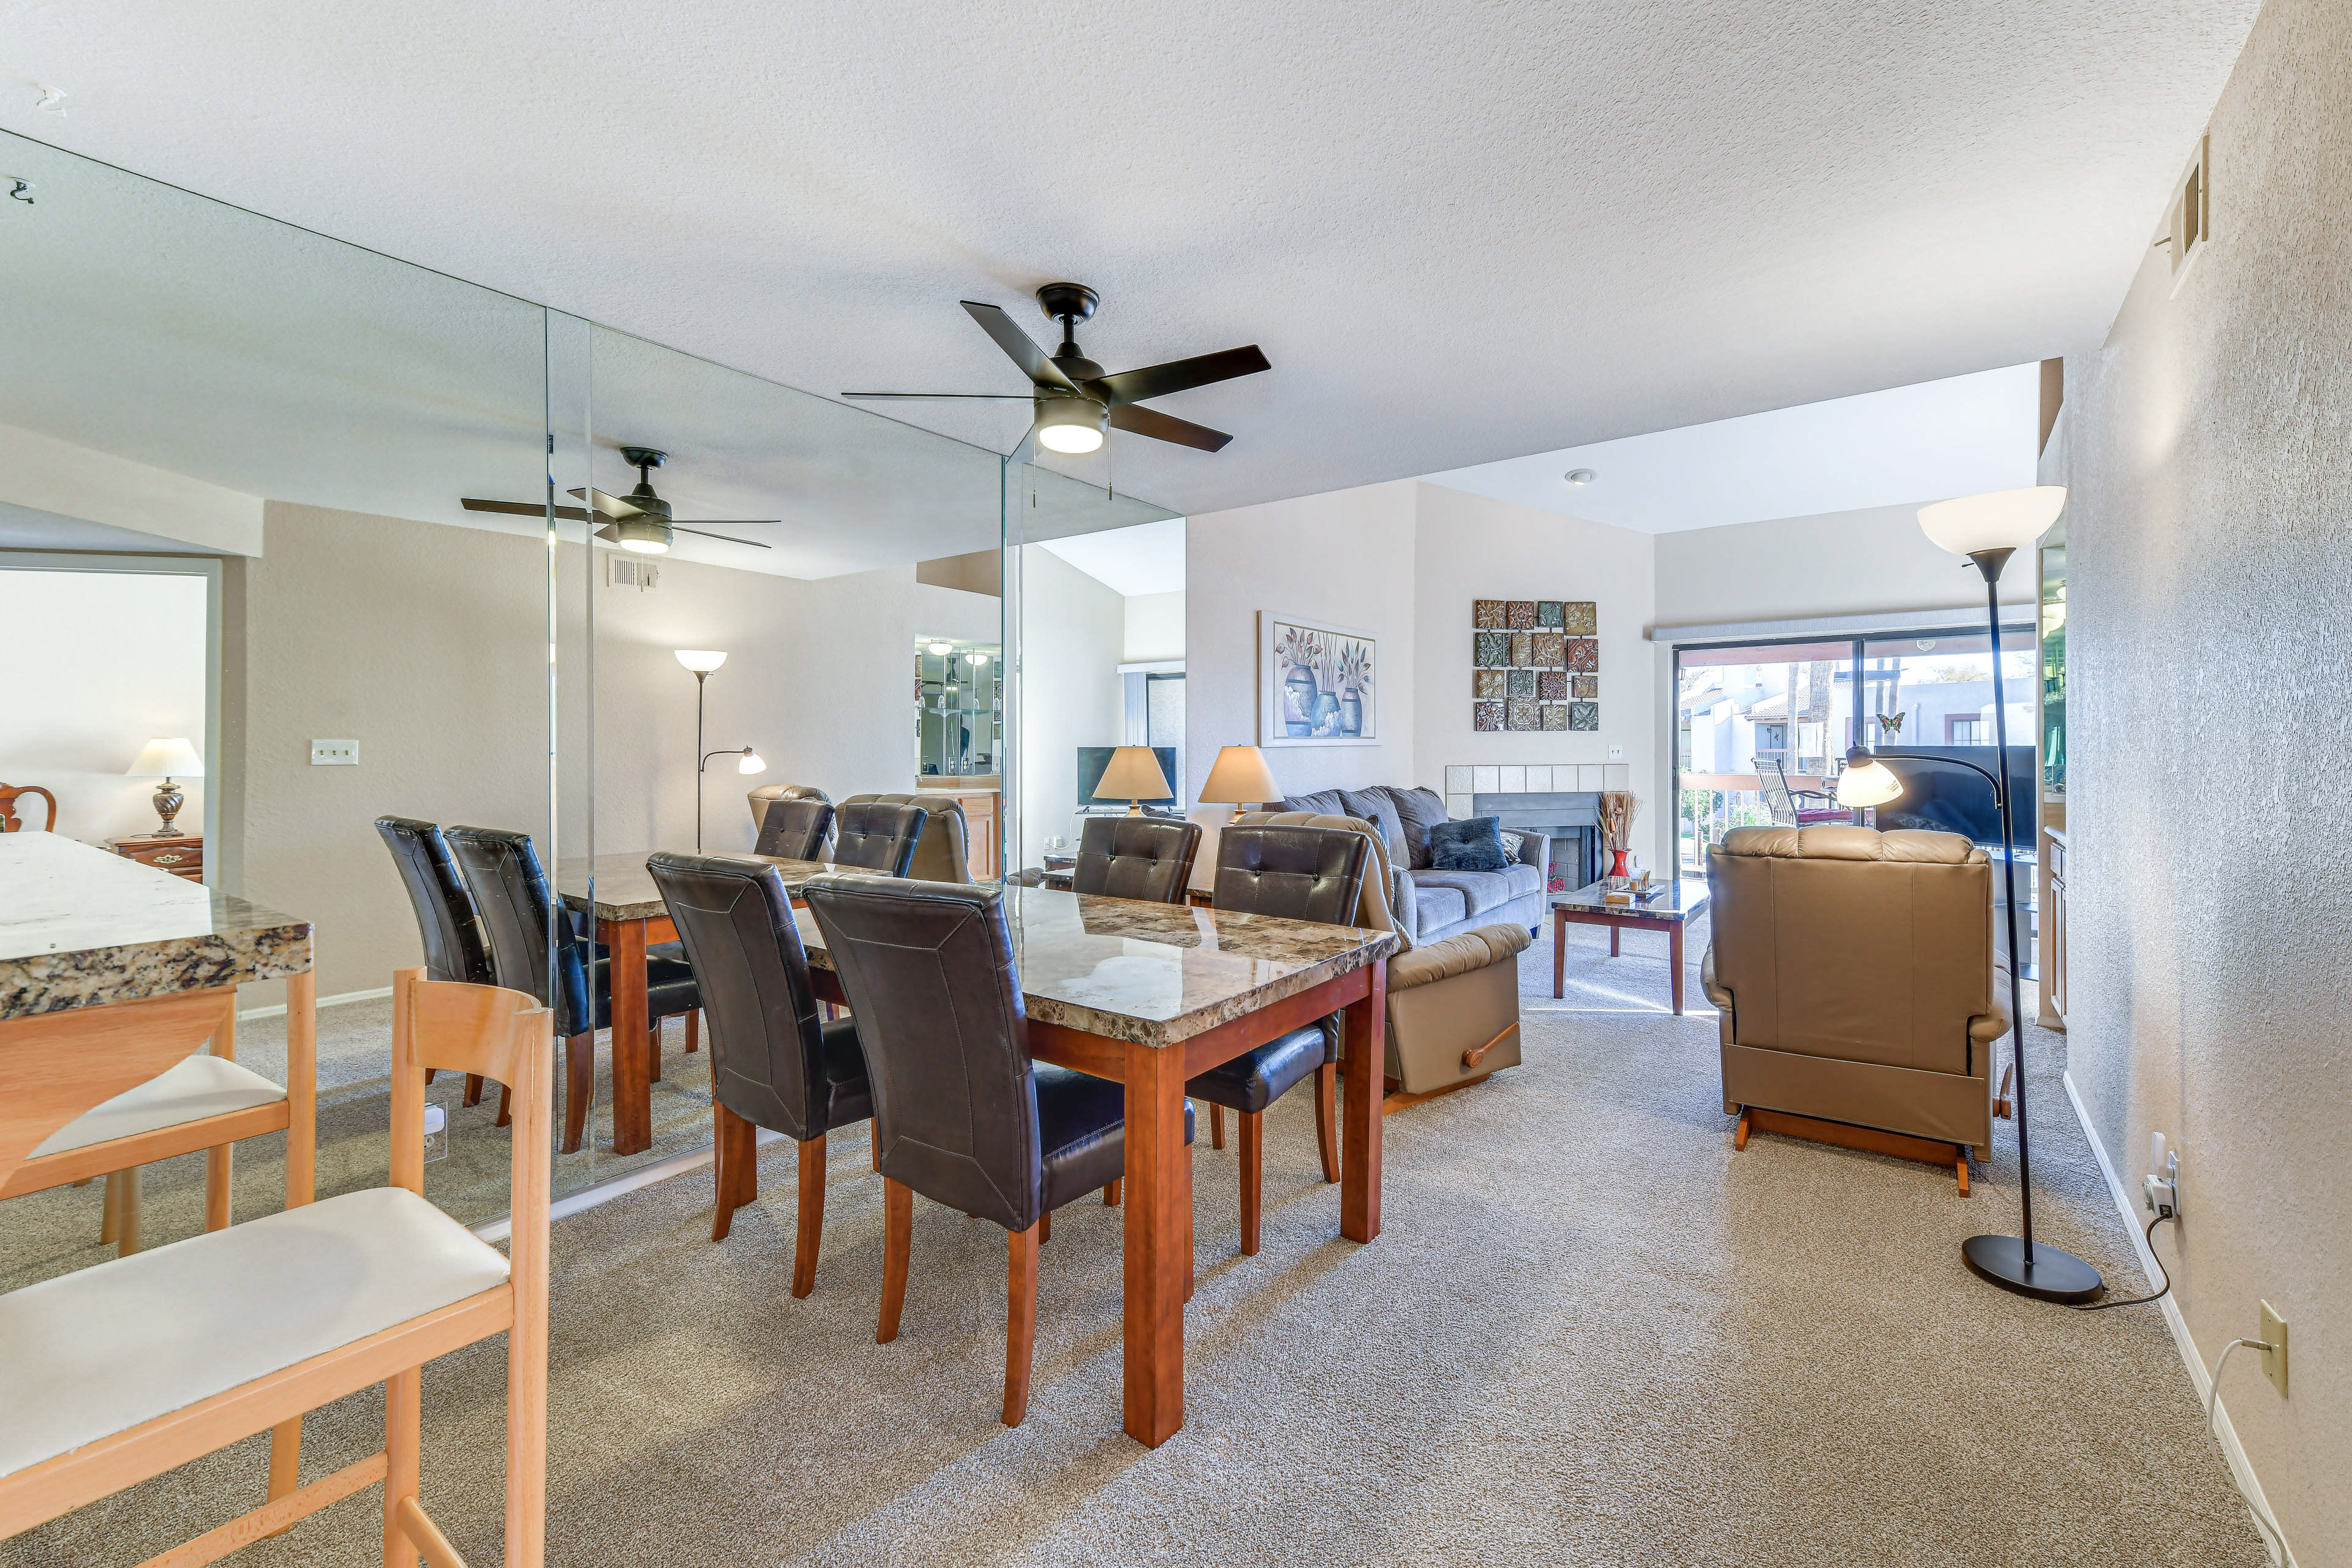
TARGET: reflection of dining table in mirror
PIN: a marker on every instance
(1150, 995)
(631, 917)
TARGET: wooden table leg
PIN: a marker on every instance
(1157, 1198)
(1365, 1064)
(1674, 941)
(1558, 951)
(633, 1103)
(1616, 934)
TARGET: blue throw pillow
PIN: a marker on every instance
(1475, 844)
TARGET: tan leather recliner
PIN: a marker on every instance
(761, 796)
(1856, 976)
(941, 853)
(1454, 1006)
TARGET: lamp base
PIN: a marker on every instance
(2055, 1275)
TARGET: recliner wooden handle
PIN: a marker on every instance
(2001, 1102)
(1471, 1058)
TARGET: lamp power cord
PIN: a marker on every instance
(2160, 1268)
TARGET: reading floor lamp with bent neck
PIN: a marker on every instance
(1988, 529)
(702, 661)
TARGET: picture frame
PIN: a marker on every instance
(1318, 684)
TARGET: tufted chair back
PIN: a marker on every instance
(941, 852)
(795, 829)
(1294, 871)
(509, 888)
(1148, 857)
(931, 976)
(456, 947)
(874, 836)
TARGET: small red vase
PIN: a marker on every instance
(1617, 867)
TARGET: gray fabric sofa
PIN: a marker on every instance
(1437, 904)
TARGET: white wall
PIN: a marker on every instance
(2208, 542)
(98, 664)
(1346, 558)
(1471, 547)
(1155, 627)
(1072, 638)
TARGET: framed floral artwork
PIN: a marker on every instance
(1318, 685)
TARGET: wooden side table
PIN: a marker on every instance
(1667, 913)
(180, 854)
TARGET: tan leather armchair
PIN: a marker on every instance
(765, 794)
(1454, 1006)
(941, 853)
(1859, 992)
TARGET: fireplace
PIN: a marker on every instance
(1571, 818)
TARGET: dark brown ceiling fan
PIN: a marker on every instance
(1075, 403)
(639, 521)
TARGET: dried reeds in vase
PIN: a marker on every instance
(1618, 809)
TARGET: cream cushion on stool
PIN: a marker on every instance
(103, 1348)
(199, 1087)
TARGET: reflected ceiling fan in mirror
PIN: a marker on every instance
(639, 521)
(1076, 403)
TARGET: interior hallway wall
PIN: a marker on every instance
(2209, 647)
(1074, 637)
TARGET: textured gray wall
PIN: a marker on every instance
(2209, 626)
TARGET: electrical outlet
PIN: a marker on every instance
(437, 1130)
(2160, 1188)
(334, 753)
(2273, 1335)
(1616, 754)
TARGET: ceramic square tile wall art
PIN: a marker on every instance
(1536, 665)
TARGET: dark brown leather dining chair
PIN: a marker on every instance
(455, 948)
(961, 1112)
(794, 829)
(1145, 858)
(510, 886)
(774, 1063)
(875, 836)
(1301, 874)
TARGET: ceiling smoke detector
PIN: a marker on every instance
(1580, 475)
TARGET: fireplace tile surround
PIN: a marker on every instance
(1515, 778)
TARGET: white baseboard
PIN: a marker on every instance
(498, 1229)
(2241, 1470)
(336, 1001)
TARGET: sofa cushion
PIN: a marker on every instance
(1480, 891)
(1420, 811)
(1322, 803)
(1475, 845)
(1376, 807)
(1436, 905)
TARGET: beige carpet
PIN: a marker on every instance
(1591, 1334)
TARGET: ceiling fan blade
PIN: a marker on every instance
(609, 533)
(524, 509)
(727, 522)
(1176, 375)
(755, 544)
(1019, 346)
(612, 506)
(1167, 427)
(994, 396)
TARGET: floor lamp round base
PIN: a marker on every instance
(2054, 1275)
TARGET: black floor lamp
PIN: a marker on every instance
(702, 661)
(1988, 529)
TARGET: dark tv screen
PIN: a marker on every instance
(1093, 759)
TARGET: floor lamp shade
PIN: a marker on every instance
(1866, 781)
(1239, 777)
(1998, 520)
(701, 660)
(1133, 776)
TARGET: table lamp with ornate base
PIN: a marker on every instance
(169, 760)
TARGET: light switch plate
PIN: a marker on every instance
(1616, 754)
(2274, 1360)
(334, 753)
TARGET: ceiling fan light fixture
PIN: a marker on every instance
(1073, 424)
(645, 535)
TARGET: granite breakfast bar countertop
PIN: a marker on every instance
(81, 927)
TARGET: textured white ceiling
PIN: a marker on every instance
(1148, 558)
(1462, 232)
(1956, 437)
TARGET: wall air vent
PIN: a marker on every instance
(2189, 223)
(625, 571)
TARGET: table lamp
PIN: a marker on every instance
(1240, 776)
(167, 759)
(1988, 529)
(1133, 776)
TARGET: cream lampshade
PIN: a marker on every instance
(701, 660)
(1240, 775)
(1133, 776)
(1866, 781)
(753, 763)
(167, 759)
(1998, 520)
